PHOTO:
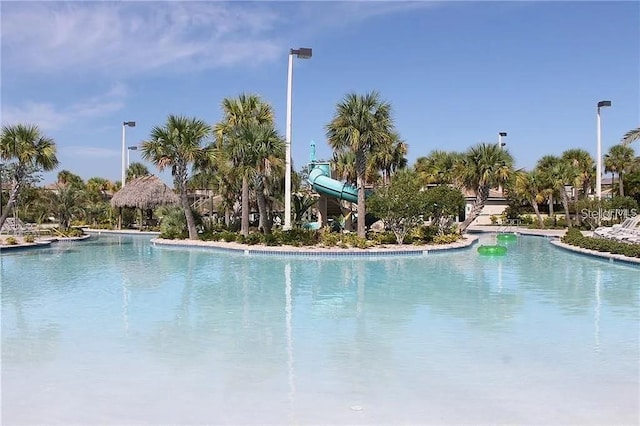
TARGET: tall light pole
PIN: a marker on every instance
(129, 149)
(124, 149)
(601, 104)
(500, 136)
(302, 53)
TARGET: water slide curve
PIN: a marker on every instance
(321, 182)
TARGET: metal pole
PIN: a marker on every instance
(124, 125)
(287, 176)
(599, 159)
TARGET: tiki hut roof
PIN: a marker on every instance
(145, 192)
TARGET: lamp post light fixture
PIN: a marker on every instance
(302, 53)
(601, 104)
(500, 136)
(129, 149)
(125, 124)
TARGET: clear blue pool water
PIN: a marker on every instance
(115, 331)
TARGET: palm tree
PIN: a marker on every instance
(237, 112)
(66, 178)
(438, 167)
(66, 201)
(361, 124)
(389, 157)
(630, 136)
(266, 150)
(483, 167)
(30, 151)
(178, 144)
(530, 186)
(136, 170)
(544, 166)
(560, 175)
(584, 166)
(619, 159)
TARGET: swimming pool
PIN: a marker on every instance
(117, 331)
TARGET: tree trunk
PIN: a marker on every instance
(621, 184)
(188, 214)
(362, 232)
(13, 195)
(262, 208)
(537, 210)
(478, 205)
(565, 204)
(244, 227)
(551, 212)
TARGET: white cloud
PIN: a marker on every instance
(53, 117)
(132, 37)
(125, 38)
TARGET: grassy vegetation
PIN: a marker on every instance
(325, 237)
(575, 238)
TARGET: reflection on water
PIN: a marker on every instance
(200, 336)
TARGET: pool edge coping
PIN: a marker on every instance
(611, 257)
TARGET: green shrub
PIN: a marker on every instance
(423, 234)
(228, 236)
(329, 239)
(575, 238)
(557, 222)
(253, 238)
(29, 239)
(527, 220)
(271, 240)
(446, 239)
(11, 241)
(386, 237)
(74, 232)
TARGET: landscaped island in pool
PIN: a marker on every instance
(115, 330)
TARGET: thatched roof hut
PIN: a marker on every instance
(145, 192)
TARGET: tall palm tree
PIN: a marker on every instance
(530, 186)
(483, 167)
(389, 157)
(266, 150)
(66, 202)
(29, 151)
(66, 178)
(136, 170)
(344, 165)
(563, 173)
(545, 166)
(361, 124)
(178, 144)
(437, 167)
(619, 159)
(583, 165)
(244, 110)
(631, 136)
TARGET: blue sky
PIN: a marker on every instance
(456, 73)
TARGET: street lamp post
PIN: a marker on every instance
(124, 146)
(500, 136)
(129, 149)
(601, 104)
(302, 53)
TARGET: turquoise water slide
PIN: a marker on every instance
(321, 182)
